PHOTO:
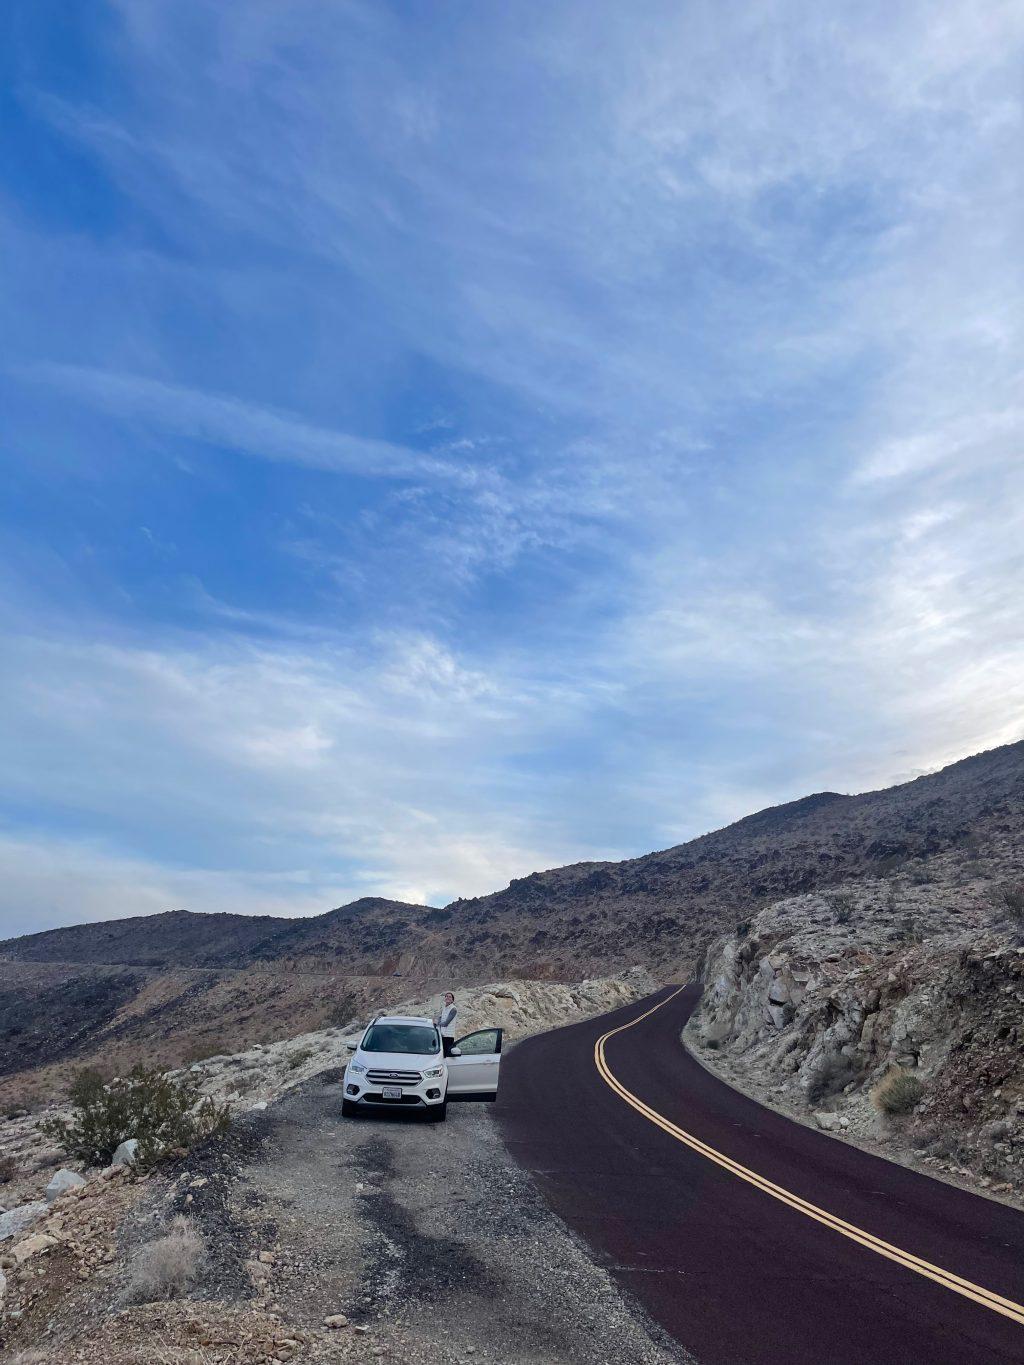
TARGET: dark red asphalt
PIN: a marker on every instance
(734, 1275)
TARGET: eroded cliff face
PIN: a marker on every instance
(817, 998)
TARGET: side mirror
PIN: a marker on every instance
(351, 1045)
(455, 1052)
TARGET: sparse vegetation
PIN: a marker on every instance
(842, 904)
(897, 1092)
(8, 1169)
(300, 1058)
(1010, 897)
(163, 1114)
(165, 1267)
(833, 1073)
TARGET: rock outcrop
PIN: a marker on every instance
(815, 999)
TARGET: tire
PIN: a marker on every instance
(349, 1110)
(438, 1112)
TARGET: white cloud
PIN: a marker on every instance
(215, 419)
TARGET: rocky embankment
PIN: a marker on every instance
(815, 1000)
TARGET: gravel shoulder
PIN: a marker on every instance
(430, 1237)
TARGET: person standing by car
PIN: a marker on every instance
(446, 1023)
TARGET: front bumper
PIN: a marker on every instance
(359, 1090)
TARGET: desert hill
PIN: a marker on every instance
(222, 981)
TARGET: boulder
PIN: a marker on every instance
(63, 1181)
(126, 1153)
(15, 1220)
(33, 1246)
(831, 1123)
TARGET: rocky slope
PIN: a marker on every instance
(162, 984)
(817, 998)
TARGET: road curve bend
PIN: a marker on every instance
(748, 1237)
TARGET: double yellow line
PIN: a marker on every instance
(946, 1278)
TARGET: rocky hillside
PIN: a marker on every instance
(818, 1001)
(167, 982)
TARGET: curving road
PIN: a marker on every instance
(748, 1237)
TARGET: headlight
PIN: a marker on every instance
(434, 1071)
(356, 1066)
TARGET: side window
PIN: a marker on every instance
(485, 1041)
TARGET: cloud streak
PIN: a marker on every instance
(629, 419)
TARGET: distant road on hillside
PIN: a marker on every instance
(749, 1237)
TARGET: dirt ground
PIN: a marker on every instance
(424, 1243)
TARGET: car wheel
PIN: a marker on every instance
(438, 1112)
(348, 1109)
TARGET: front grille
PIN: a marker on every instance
(393, 1077)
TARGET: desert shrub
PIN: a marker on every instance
(842, 904)
(300, 1058)
(86, 1085)
(830, 1076)
(897, 1092)
(165, 1267)
(8, 1169)
(1010, 897)
(162, 1113)
(909, 930)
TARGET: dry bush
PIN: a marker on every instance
(897, 1092)
(163, 1114)
(833, 1073)
(8, 1169)
(167, 1266)
(300, 1058)
(1011, 898)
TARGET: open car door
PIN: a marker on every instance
(474, 1074)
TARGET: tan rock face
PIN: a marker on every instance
(817, 997)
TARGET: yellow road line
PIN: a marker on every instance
(946, 1278)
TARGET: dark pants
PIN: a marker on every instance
(447, 1044)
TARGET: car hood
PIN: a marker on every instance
(397, 1061)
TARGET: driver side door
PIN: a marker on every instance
(474, 1075)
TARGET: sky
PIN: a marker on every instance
(444, 441)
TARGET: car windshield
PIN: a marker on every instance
(418, 1038)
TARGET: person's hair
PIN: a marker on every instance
(450, 995)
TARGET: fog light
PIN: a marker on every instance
(351, 1090)
(433, 1094)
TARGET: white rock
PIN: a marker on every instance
(63, 1180)
(15, 1220)
(125, 1154)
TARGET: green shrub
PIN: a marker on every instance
(163, 1114)
(898, 1092)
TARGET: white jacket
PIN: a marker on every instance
(446, 1023)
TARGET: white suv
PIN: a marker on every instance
(399, 1062)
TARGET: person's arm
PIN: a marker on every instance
(448, 1016)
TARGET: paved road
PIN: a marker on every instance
(736, 1274)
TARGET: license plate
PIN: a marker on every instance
(392, 1092)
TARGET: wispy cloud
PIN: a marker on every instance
(664, 371)
(218, 420)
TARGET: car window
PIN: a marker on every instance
(418, 1039)
(487, 1040)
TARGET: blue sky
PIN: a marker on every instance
(444, 441)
